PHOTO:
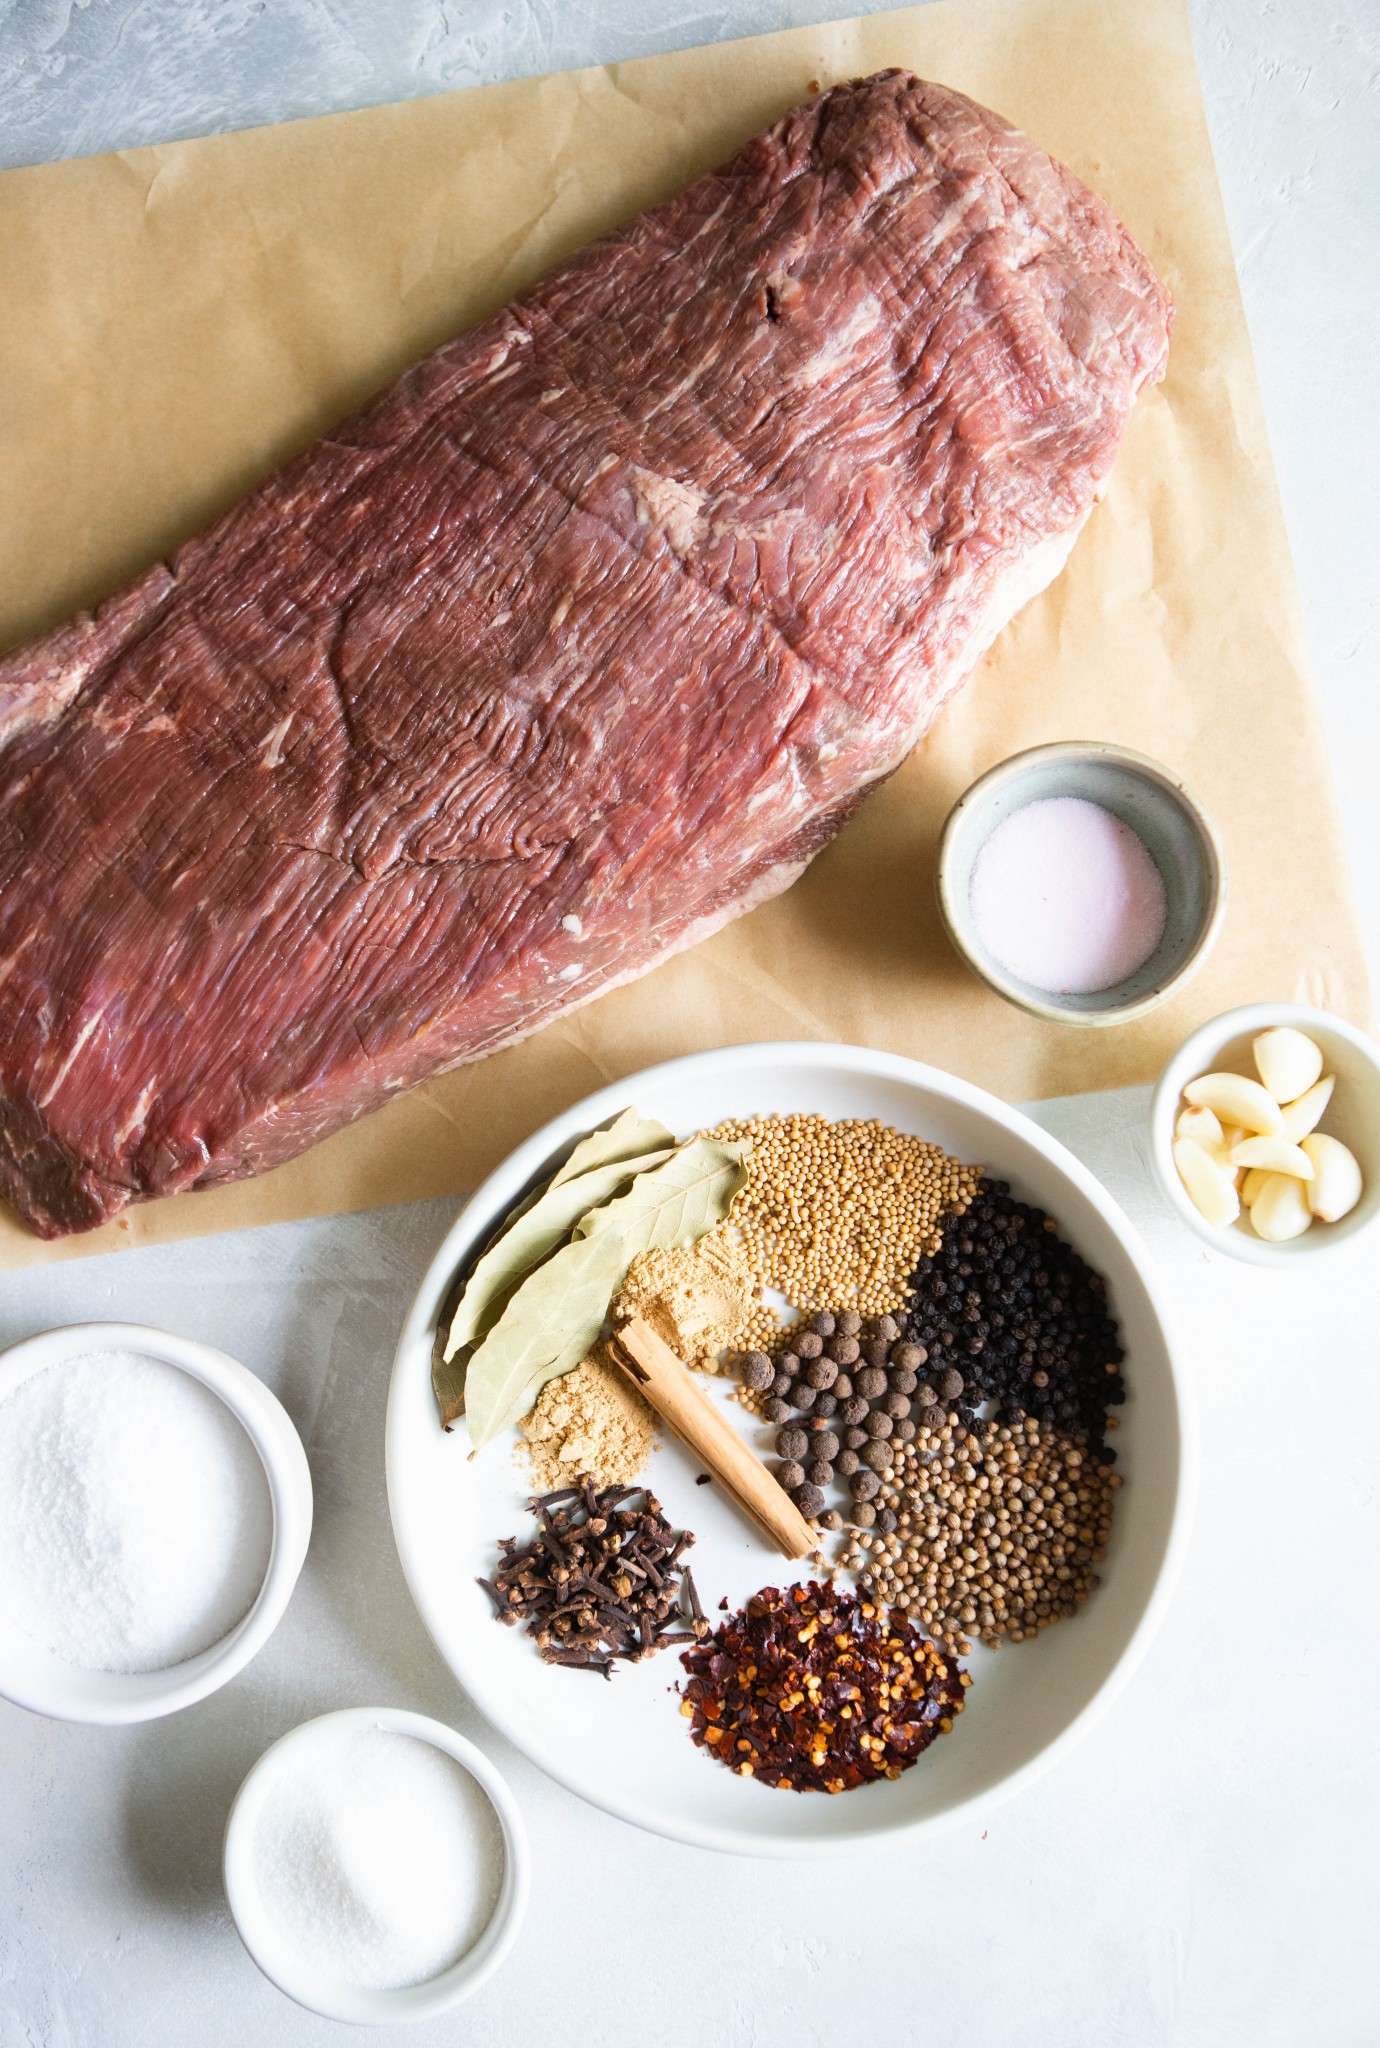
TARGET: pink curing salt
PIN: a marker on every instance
(1066, 897)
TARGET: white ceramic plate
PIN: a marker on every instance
(624, 1744)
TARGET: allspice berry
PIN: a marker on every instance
(878, 1455)
(864, 1485)
(864, 1514)
(792, 1442)
(870, 1382)
(757, 1371)
(847, 1463)
(809, 1499)
(820, 1373)
(849, 1323)
(843, 1350)
(791, 1474)
(776, 1410)
(809, 1344)
(820, 1473)
(823, 1323)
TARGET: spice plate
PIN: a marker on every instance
(623, 1744)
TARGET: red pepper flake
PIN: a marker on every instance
(814, 1690)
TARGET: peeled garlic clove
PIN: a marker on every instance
(1237, 1100)
(1202, 1126)
(1211, 1188)
(1251, 1185)
(1276, 1155)
(1288, 1062)
(1336, 1187)
(1306, 1113)
(1280, 1211)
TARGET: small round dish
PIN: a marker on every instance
(31, 1676)
(1179, 835)
(276, 1956)
(1353, 1115)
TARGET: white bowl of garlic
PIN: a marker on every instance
(1265, 1132)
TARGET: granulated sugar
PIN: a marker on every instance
(135, 1521)
(1066, 897)
(379, 1857)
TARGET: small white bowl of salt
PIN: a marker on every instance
(376, 1866)
(155, 1509)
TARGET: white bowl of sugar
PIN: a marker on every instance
(1081, 882)
(155, 1509)
(376, 1866)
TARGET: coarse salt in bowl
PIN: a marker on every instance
(1146, 803)
(33, 1675)
(299, 1967)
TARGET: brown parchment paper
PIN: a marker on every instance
(175, 321)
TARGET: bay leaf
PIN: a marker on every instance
(546, 1329)
(533, 1234)
(627, 1137)
(673, 1204)
(557, 1311)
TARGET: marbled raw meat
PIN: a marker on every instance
(575, 643)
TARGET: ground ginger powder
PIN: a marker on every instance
(701, 1299)
(589, 1420)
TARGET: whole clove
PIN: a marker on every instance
(601, 1580)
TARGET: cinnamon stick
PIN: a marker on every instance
(668, 1385)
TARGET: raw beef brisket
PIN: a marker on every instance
(578, 641)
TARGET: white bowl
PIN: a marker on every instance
(624, 1745)
(31, 1676)
(276, 1956)
(1353, 1115)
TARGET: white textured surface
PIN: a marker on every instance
(1203, 1870)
